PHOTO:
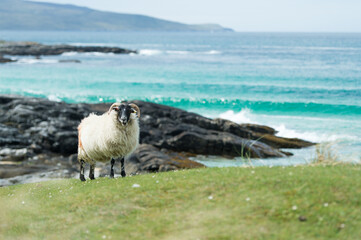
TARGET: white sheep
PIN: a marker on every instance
(115, 134)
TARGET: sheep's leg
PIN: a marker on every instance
(123, 167)
(91, 172)
(82, 178)
(111, 168)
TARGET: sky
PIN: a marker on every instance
(241, 15)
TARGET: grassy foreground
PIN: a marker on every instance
(304, 202)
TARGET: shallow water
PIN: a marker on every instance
(304, 85)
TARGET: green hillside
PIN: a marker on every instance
(26, 15)
(303, 202)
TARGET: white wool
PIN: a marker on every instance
(104, 137)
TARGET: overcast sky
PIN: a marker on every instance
(241, 15)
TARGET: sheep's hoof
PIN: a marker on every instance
(123, 174)
(82, 178)
(91, 177)
(111, 176)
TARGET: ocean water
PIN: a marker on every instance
(305, 85)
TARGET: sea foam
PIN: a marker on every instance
(246, 116)
(149, 52)
(34, 61)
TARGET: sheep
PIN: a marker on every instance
(115, 134)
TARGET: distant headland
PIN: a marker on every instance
(39, 16)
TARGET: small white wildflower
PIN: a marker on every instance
(22, 202)
(290, 173)
(104, 237)
(61, 191)
(294, 207)
(325, 204)
(135, 185)
(153, 176)
(157, 181)
(342, 225)
(210, 197)
(248, 199)
(252, 172)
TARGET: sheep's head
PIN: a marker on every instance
(124, 112)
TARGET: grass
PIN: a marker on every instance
(325, 154)
(303, 202)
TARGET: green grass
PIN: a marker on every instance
(213, 203)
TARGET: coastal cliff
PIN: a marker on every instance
(38, 137)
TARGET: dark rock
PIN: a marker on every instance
(302, 218)
(6, 60)
(172, 128)
(219, 143)
(281, 142)
(36, 49)
(65, 142)
(11, 137)
(39, 131)
(258, 128)
(12, 170)
(8, 154)
(148, 158)
(69, 61)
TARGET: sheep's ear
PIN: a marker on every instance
(114, 105)
(136, 108)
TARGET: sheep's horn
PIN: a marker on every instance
(136, 108)
(111, 107)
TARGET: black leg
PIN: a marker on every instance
(91, 172)
(111, 168)
(123, 167)
(82, 178)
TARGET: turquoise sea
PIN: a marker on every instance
(305, 85)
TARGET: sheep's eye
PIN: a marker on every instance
(115, 108)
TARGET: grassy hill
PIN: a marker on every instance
(304, 202)
(27, 15)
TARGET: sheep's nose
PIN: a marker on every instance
(123, 121)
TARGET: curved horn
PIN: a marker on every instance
(136, 108)
(112, 106)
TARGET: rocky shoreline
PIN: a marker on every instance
(38, 139)
(36, 49)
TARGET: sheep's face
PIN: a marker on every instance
(124, 113)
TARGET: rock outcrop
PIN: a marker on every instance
(44, 133)
(37, 50)
(5, 60)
